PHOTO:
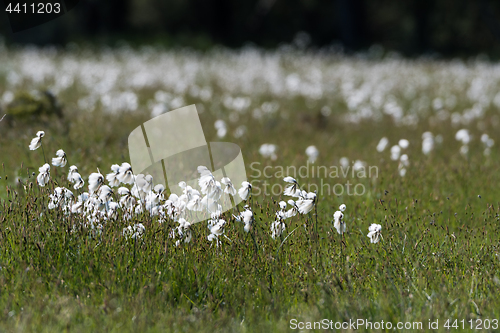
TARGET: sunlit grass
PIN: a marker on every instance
(438, 258)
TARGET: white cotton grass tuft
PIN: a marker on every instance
(72, 170)
(488, 143)
(96, 179)
(206, 180)
(344, 162)
(278, 226)
(220, 126)
(282, 205)
(78, 181)
(306, 202)
(60, 160)
(127, 200)
(293, 189)
(62, 197)
(134, 232)
(427, 143)
(183, 231)
(245, 217)
(125, 174)
(245, 189)
(403, 143)
(395, 152)
(404, 162)
(228, 186)
(338, 219)
(105, 192)
(359, 165)
(312, 153)
(269, 150)
(216, 226)
(463, 136)
(382, 144)
(44, 174)
(112, 177)
(240, 131)
(375, 232)
(36, 142)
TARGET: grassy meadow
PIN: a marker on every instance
(439, 256)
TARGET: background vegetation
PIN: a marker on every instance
(441, 27)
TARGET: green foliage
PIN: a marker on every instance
(33, 104)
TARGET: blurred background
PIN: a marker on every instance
(446, 28)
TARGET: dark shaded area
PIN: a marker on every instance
(412, 27)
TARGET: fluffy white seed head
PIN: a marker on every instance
(382, 144)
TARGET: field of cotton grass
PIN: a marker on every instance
(87, 245)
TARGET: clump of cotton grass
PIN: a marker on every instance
(306, 200)
(488, 143)
(278, 226)
(305, 203)
(44, 174)
(382, 144)
(312, 153)
(375, 232)
(135, 232)
(99, 205)
(338, 219)
(61, 159)
(268, 150)
(396, 149)
(182, 234)
(245, 217)
(77, 208)
(36, 142)
(62, 197)
(464, 137)
(220, 126)
(216, 226)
